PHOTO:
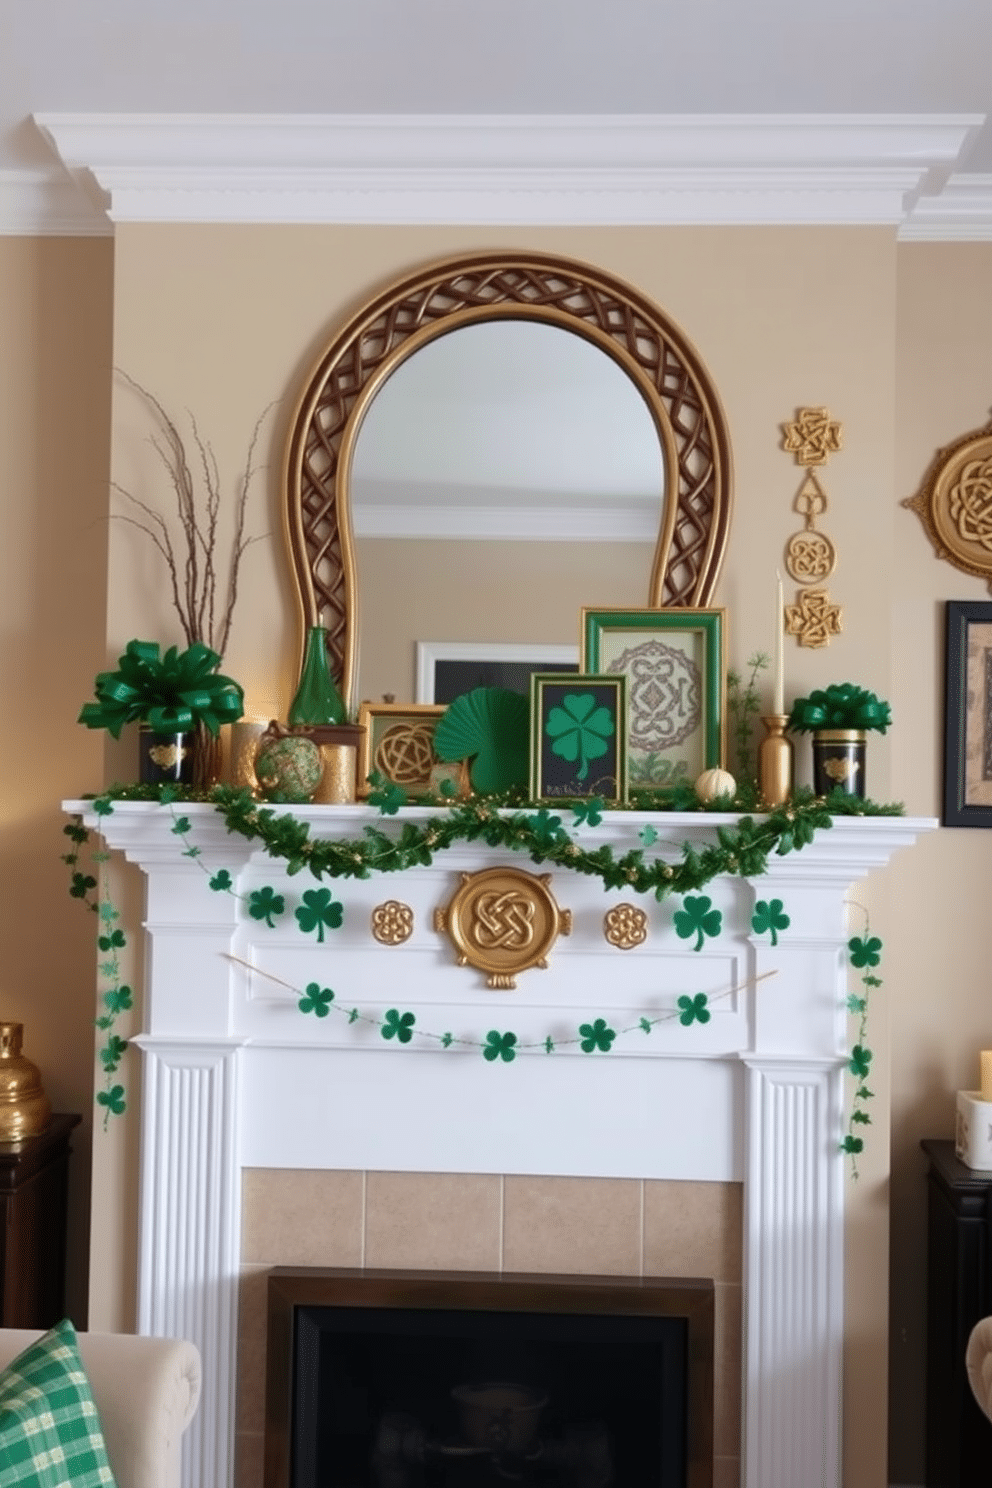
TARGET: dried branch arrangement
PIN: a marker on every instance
(204, 588)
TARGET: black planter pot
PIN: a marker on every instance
(839, 761)
(165, 758)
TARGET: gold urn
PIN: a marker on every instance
(25, 1109)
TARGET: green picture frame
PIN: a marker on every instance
(578, 734)
(674, 661)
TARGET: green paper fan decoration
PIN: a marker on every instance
(491, 727)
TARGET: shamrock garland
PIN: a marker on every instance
(865, 954)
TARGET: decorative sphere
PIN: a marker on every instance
(713, 783)
(288, 770)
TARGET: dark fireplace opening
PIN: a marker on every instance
(442, 1380)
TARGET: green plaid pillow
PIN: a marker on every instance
(50, 1433)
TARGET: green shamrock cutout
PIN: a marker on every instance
(645, 1024)
(549, 1045)
(499, 1046)
(648, 836)
(112, 1053)
(447, 1039)
(545, 827)
(386, 794)
(865, 952)
(589, 811)
(697, 917)
(263, 904)
(317, 1000)
(580, 729)
(400, 1027)
(317, 910)
(118, 1000)
(853, 1145)
(181, 826)
(113, 1099)
(103, 806)
(694, 1009)
(81, 885)
(596, 1036)
(860, 1062)
(115, 941)
(221, 881)
(768, 915)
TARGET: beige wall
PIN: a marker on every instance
(56, 312)
(222, 321)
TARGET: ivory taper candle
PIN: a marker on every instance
(778, 678)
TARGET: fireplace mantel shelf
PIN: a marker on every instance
(234, 1076)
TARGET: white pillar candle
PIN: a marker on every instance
(778, 678)
(986, 1074)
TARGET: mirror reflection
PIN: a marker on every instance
(527, 462)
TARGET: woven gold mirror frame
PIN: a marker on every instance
(954, 503)
(461, 291)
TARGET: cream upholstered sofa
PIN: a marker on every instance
(146, 1390)
(978, 1360)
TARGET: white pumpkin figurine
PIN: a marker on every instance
(713, 783)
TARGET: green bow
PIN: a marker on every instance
(171, 693)
(842, 705)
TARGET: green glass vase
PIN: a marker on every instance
(317, 698)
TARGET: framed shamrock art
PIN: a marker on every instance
(578, 736)
(674, 663)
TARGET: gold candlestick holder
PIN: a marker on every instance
(775, 761)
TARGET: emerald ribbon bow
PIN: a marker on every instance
(171, 693)
(842, 705)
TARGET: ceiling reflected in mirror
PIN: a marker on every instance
(508, 429)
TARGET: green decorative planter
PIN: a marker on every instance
(839, 757)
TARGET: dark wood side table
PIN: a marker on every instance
(959, 1292)
(33, 1195)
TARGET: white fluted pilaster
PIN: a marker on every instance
(189, 1229)
(793, 1273)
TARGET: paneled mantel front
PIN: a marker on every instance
(235, 1076)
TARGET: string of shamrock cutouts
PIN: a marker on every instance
(865, 954)
(113, 996)
(593, 1037)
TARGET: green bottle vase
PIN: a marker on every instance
(317, 699)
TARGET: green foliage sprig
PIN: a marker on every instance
(171, 693)
(743, 708)
(841, 705)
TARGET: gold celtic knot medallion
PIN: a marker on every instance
(625, 926)
(810, 556)
(392, 922)
(954, 503)
(503, 921)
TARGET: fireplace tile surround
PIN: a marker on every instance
(472, 1222)
(239, 1091)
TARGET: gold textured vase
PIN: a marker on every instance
(25, 1109)
(775, 761)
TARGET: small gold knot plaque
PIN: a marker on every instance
(503, 921)
(392, 922)
(625, 926)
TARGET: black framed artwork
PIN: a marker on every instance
(968, 714)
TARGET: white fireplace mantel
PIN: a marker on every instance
(234, 1076)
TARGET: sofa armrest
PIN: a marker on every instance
(978, 1361)
(146, 1390)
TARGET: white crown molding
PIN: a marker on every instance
(962, 211)
(37, 203)
(516, 169)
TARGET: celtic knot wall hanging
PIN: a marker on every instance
(810, 556)
(954, 503)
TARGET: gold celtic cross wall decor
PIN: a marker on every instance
(954, 503)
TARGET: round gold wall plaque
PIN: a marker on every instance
(954, 503)
(503, 921)
(392, 922)
(625, 926)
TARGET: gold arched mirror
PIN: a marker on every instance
(627, 331)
